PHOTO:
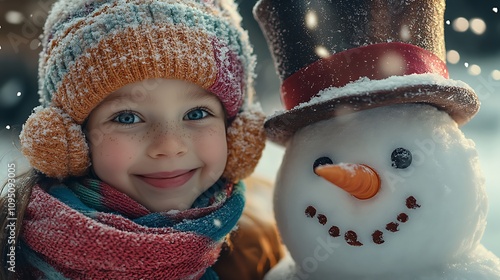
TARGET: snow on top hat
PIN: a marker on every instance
(336, 56)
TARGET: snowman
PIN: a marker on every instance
(377, 180)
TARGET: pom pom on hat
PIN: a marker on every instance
(54, 144)
(245, 142)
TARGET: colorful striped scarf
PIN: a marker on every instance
(93, 231)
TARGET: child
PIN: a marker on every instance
(139, 147)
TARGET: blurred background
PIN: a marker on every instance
(472, 30)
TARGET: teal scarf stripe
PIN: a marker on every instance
(68, 197)
(224, 219)
(90, 193)
(217, 191)
(33, 259)
(210, 274)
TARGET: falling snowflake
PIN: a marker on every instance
(35, 43)
(495, 9)
(217, 222)
(8, 127)
(18, 93)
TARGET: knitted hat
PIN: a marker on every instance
(93, 47)
(357, 55)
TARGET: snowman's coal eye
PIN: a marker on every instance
(322, 161)
(401, 158)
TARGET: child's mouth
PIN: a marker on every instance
(165, 180)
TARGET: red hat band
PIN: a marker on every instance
(375, 62)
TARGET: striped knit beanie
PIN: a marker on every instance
(93, 47)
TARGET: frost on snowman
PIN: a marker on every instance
(377, 181)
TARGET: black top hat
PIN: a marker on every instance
(393, 51)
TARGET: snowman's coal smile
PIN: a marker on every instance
(351, 237)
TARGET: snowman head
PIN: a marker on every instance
(427, 204)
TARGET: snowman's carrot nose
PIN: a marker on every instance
(359, 180)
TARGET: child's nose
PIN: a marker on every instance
(167, 143)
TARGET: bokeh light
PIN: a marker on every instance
(460, 24)
(392, 63)
(478, 26)
(452, 56)
(311, 19)
(322, 51)
(474, 70)
(14, 17)
(495, 74)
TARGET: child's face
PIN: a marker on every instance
(161, 142)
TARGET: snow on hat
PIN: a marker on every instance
(356, 55)
(92, 48)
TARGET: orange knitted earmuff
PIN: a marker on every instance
(245, 142)
(54, 144)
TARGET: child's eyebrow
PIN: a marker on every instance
(122, 95)
(203, 97)
(200, 95)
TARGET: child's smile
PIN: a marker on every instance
(162, 142)
(166, 180)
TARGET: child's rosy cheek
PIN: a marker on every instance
(212, 143)
(112, 153)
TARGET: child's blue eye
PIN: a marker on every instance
(196, 114)
(127, 118)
